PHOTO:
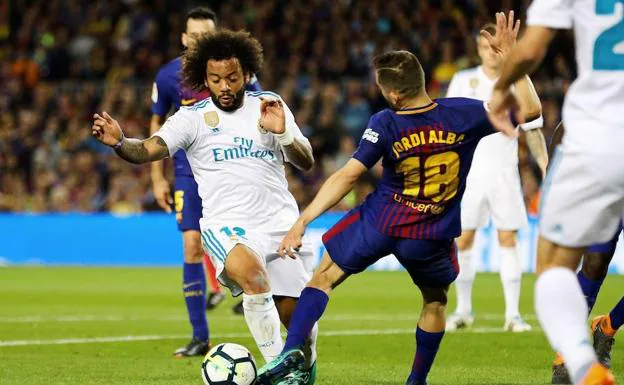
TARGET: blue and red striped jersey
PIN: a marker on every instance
(168, 92)
(426, 154)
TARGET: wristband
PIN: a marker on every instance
(120, 143)
(286, 138)
(533, 124)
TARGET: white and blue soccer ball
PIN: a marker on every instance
(229, 364)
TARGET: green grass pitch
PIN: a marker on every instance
(121, 325)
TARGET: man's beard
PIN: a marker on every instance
(236, 103)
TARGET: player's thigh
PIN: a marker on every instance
(582, 199)
(237, 256)
(474, 208)
(506, 201)
(550, 254)
(187, 204)
(597, 258)
(353, 244)
(430, 263)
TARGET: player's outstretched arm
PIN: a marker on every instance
(107, 130)
(333, 190)
(522, 59)
(531, 113)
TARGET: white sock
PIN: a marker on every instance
(510, 275)
(309, 349)
(464, 281)
(264, 323)
(562, 312)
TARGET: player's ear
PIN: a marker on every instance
(184, 39)
(247, 77)
(206, 82)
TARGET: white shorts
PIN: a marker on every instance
(287, 276)
(497, 195)
(583, 197)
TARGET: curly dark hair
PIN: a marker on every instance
(222, 45)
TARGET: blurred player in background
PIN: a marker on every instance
(493, 190)
(426, 148)
(591, 276)
(169, 94)
(583, 195)
(237, 143)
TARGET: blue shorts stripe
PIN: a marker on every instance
(217, 243)
(211, 247)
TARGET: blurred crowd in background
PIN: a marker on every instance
(63, 60)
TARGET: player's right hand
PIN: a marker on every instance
(291, 243)
(106, 129)
(162, 193)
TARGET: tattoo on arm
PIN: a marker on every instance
(300, 155)
(139, 151)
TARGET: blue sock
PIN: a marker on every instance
(427, 345)
(310, 308)
(590, 289)
(194, 287)
(617, 315)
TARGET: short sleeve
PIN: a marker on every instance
(557, 14)
(371, 147)
(161, 96)
(179, 131)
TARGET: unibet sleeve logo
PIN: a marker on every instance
(370, 135)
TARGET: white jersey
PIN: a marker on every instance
(494, 152)
(597, 95)
(238, 169)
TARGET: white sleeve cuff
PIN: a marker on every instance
(533, 124)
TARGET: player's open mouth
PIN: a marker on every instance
(225, 99)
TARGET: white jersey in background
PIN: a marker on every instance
(493, 185)
(241, 181)
(594, 104)
(583, 195)
(238, 169)
(494, 151)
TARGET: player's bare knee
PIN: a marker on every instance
(465, 241)
(596, 265)
(321, 280)
(507, 238)
(434, 296)
(255, 281)
(193, 252)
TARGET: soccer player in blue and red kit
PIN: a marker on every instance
(426, 148)
(167, 96)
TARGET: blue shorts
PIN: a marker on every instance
(607, 247)
(354, 244)
(188, 205)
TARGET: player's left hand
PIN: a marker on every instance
(498, 111)
(272, 116)
(291, 243)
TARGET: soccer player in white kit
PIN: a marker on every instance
(237, 143)
(583, 195)
(493, 189)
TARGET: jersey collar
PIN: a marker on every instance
(417, 110)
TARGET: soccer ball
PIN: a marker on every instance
(228, 364)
